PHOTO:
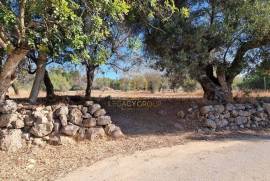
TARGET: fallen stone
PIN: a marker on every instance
(81, 134)
(110, 128)
(65, 140)
(54, 140)
(38, 142)
(11, 140)
(93, 133)
(104, 120)
(117, 134)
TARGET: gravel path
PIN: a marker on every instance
(225, 160)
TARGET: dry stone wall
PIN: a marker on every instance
(235, 116)
(21, 126)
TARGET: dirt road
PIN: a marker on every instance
(219, 160)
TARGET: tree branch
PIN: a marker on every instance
(238, 63)
(21, 21)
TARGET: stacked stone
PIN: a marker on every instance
(52, 124)
(235, 116)
(85, 122)
(11, 123)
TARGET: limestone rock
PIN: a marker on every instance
(11, 140)
(70, 130)
(206, 109)
(104, 120)
(266, 107)
(219, 108)
(54, 140)
(88, 123)
(8, 106)
(100, 112)
(89, 103)
(93, 133)
(18, 123)
(75, 116)
(86, 116)
(229, 107)
(84, 110)
(41, 129)
(63, 110)
(43, 125)
(240, 120)
(109, 129)
(117, 134)
(81, 134)
(6, 119)
(211, 124)
(63, 120)
(29, 120)
(94, 108)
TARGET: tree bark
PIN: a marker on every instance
(218, 88)
(90, 73)
(48, 85)
(8, 70)
(15, 88)
(41, 65)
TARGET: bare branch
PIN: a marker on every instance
(21, 20)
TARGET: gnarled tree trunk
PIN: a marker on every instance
(217, 88)
(48, 85)
(7, 74)
(90, 73)
(41, 65)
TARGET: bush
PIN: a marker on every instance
(76, 88)
(154, 81)
(189, 85)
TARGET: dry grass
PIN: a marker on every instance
(143, 94)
